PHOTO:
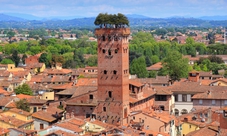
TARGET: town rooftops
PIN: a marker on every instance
(49, 114)
(19, 111)
(13, 121)
(212, 94)
(70, 126)
(203, 132)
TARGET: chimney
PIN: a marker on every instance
(208, 92)
(186, 119)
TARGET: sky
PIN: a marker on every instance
(91, 8)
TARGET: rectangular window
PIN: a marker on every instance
(91, 97)
(225, 102)
(200, 101)
(104, 109)
(41, 126)
(213, 102)
(184, 97)
(110, 94)
(176, 98)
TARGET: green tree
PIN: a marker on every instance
(23, 58)
(15, 57)
(23, 105)
(176, 65)
(138, 67)
(44, 59)
(7, 61)
(24, 89)
(92, 61)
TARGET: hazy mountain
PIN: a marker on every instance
(213, 17)
(32, 17)
(135, 20)
(24, 16)
(4, 17)
(136, 16)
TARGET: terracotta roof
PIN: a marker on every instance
(48, 115)
(36, 100)
(100, 123)
(161, 116)
(25, 131)
(69, 91)
(84, 89)
(58, 71)
(203, 132)
(156, 66)
(206, 82)
(87, 82)
(77, 121)
(220, 79)
(23, 96)
(160, 90)
(212, 94)
(61, 132)
(13, 121)
(205, 74)
(3, 131)
(135, 83)
(70, 126)
(154, 133)
(193, 87)
(6, 100)
(19, 111)
(157, 80)
(4, 92)
(63, 86)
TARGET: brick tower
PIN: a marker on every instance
(113, 75)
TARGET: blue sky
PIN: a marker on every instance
(90, 8)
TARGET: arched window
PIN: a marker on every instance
(176, 112)
(184, 111)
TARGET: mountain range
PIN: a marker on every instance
(15, 20)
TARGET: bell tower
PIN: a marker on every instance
(113, 75)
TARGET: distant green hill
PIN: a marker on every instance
(89, 22)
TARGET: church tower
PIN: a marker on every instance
(113, 75)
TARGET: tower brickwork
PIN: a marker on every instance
(113, 75)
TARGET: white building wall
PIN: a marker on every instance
(37, 123)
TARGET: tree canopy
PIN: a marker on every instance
(114, 20)
(176, 65)
(23, 105)
(24, 89)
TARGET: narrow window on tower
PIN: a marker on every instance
(110, 94)
(103, 51)
(116, 50)
(110, 38)
(115, 72)
(103, 38)
(105, 71)
(109, 52)
(104, 109)
(91, 97)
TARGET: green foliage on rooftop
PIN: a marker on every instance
(108, 20)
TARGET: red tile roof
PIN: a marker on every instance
(70, 126)
(203, 132)
(156, 66)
